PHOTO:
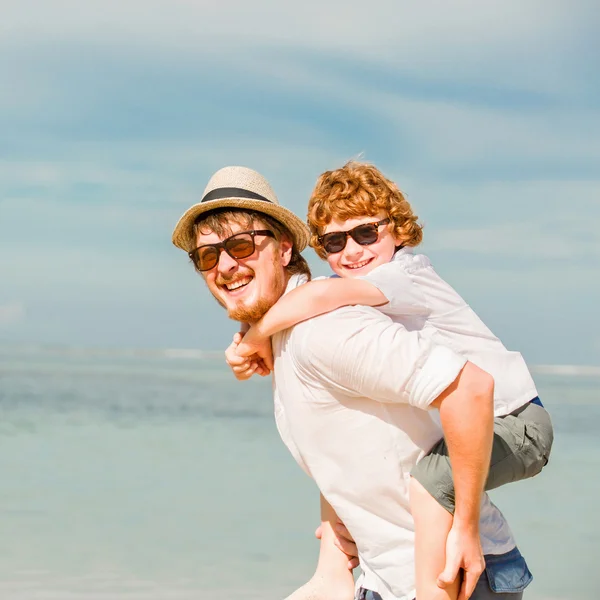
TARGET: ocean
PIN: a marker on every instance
(157, 476)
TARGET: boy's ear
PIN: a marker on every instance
(286, 247)
(399, 240)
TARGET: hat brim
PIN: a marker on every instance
(183, 234)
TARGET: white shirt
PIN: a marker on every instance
(421, 300)
(350, 389)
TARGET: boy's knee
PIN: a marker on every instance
(431, 484)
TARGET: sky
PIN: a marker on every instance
(114, 115)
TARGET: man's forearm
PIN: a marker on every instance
(467, 415)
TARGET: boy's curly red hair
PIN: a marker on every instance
(358, 190)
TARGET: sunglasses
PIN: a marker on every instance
(240, 245)
(365, 235)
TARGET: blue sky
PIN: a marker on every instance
(113, 115)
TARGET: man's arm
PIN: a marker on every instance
(467, 414)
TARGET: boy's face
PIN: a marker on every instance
(355, 260)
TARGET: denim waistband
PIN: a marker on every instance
(506, 573)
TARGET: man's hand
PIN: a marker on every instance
(253, 343)
(345, 542)
(244, 367)
(463, 551)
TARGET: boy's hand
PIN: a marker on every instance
(254, 344)
(244, 367)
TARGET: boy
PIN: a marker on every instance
(363, 226)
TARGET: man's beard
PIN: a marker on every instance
(251, 314)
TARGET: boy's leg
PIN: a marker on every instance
(521, 447)
(432, 524)
(333, 579)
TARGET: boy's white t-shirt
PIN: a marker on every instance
(420, 299)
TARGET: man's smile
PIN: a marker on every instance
(237, 286)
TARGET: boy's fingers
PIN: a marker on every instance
(246, 374)
(268, 360)
(233, 359)
(237, 337)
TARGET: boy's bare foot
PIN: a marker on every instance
(319, 588)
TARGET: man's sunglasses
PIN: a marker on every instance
(240, 245)
(365, 235)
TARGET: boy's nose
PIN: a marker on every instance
(352, 249)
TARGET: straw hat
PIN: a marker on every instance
(239, 187)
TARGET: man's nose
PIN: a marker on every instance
(226, 263)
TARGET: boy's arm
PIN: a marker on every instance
(308, 301)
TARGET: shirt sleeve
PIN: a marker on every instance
(403, 294)
(364, 353)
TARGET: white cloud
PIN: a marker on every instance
(516, 239)
(478, 110)
(11, 314)
(464, 36)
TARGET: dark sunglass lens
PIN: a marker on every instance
(365, 234)
(334, 242)
(241, 246)
(206, 258)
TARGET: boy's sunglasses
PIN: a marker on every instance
(240, 245)
(365, 235)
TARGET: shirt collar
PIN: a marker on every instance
(295, 281)
(403, 252)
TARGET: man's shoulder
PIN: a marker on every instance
(342, 318)
(323, 335)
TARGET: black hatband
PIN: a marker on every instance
(232, 192)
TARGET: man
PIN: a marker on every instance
(352, 395)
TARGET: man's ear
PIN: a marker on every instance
(285, 251)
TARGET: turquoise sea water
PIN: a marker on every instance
(157, 476)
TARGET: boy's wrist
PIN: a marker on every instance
(258, 330)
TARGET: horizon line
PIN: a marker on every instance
(198, 353)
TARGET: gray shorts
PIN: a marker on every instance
(521, 448)
(505, 577)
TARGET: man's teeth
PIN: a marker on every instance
(359, 264)
(234, 285)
